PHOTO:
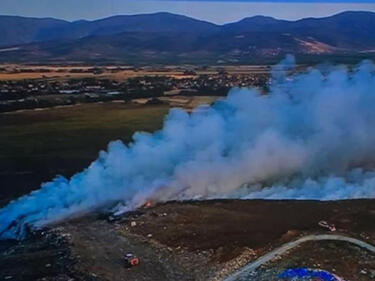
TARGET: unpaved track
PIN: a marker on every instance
(99, 249)
(288, 246)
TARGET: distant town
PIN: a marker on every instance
(17, 94)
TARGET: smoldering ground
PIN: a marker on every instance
(310, 137)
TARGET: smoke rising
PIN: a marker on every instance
(312, 136)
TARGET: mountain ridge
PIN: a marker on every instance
(165, 36)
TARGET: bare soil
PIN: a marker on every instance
(197, 240)
(346, 261)
(230, 225)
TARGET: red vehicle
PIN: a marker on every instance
(131, 260)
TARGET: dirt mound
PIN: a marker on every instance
(229, 225)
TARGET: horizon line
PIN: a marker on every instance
(191, 17)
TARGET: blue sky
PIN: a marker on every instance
(218, 11)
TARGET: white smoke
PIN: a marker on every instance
(311, 137)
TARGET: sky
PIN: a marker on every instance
(217, 11)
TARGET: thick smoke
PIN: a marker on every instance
(312, 136)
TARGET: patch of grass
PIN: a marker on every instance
(36, 145)
(32, 138)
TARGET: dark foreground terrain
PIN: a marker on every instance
(204, 240)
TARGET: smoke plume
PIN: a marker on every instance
(312, 136)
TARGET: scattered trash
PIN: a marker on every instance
(154, 214)
(111, 218)
(149, 235)
(8, 277)
(330, 227)
(48, 265)
(133, 223)
(131, 260)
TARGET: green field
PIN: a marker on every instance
(35, 145)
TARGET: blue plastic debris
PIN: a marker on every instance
(308, 273)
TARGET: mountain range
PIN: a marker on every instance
(165, 37)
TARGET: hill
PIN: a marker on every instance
(16, 30)
(19, 30)
(169, 38)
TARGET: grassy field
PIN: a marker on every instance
(35, 145)
(64, 72)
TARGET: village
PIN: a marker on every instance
(46, 92)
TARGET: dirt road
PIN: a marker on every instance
(99, 250)
(288, 246)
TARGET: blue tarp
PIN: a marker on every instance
(306, 273)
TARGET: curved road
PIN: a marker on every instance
(288, 246)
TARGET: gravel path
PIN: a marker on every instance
(288, 246)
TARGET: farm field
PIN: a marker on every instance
(35, 145)
(20, 72)
(38, 144)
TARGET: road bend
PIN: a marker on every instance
(290, 245)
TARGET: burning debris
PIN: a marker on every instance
(148, 204)
(310, 137)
